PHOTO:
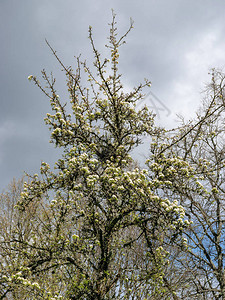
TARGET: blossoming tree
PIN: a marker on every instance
(101, 226)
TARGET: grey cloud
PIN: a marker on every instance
(163, 46)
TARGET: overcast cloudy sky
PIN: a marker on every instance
(174, 43)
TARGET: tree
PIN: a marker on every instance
(198, 185)
(14, 226)
(101, 225)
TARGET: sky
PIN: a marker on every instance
(174, 44)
